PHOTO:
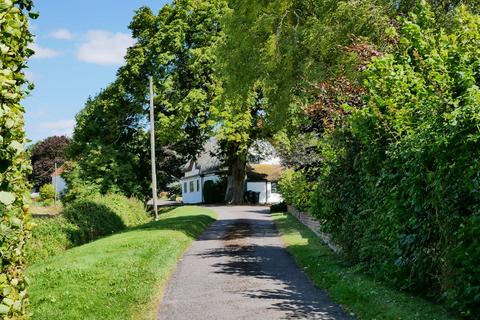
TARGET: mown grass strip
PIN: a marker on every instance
(358, 293)
(117, 277)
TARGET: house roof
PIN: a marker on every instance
(58, 172)
(208, 160)
(262, 172)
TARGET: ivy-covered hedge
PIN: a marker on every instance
(400, 190)
(14, 224)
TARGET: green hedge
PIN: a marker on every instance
(101, 215)
(14, 165)
(295, 189)
(82, 221)
(214, 191)
(50, 237)
(400, 186)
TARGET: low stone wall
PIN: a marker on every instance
(314, 225)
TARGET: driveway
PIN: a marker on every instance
(239, 269)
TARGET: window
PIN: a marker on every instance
(198, 185)
(274, 187)
(192, 187)
(185, 187)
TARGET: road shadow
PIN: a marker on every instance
(292, 292)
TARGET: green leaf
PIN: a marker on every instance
(7, 198)
(4, 309)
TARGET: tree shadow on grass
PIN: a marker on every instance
(93, 221)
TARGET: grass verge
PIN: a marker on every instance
(358, 293)
(117, 277)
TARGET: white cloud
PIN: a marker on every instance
(43, 53)
(104, 48)
(58, 128)
(62, 34)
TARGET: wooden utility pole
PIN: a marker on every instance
(152, 147)
(55, 178)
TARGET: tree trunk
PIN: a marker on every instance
(235, 193)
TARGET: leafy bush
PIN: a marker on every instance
(278, 207)
(14, 165)
(50, 237)
(48, 202)
(465, 294)
(83, 221)
(175, 189)
(295, 189)
(214, 191)
(399, 187)
(47, 192)
(99, 215)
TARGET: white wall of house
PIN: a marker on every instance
(265, 189)
(192, 190)
(192, 187)
(59, 183)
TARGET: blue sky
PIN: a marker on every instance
(79, 46)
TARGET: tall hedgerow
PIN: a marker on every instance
(402, 190)
(14, 225)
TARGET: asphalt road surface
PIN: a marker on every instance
(239, 269)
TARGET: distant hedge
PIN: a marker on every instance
(83, 221)
(101, 215)
(214, 191)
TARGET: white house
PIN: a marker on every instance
(262, 177)
(58, 182)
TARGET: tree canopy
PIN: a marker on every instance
(44, 155)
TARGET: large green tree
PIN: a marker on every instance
(175, 47)
(110, 143)
(109, 148)
(273, 55)
(14, 166)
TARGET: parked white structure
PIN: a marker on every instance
(262, 177)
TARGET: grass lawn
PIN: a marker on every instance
(117, 277)
(37, 208)
(367, 298)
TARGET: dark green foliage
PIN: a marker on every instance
(214, 191)
(14, 166)
(109, 152)
(44, 155)
(278, 207)
(399, 187)
(465, 294)
(98, 216)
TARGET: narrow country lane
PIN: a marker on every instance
(239, 269)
